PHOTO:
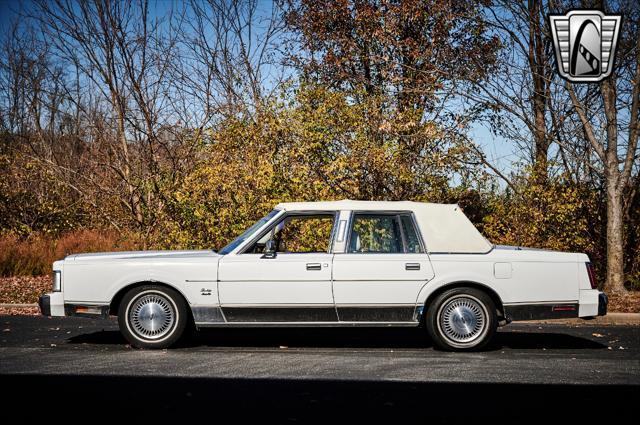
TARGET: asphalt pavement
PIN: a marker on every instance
(532, 372)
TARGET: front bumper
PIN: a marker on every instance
(52, 304)
(45, 305)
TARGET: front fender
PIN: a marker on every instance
(133, 281)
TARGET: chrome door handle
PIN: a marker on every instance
(412, 266)
(314, 266)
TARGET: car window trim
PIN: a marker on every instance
(352, 219)
(416, 229)
(405, 245)
(284, 216)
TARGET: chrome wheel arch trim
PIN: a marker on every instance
(122, 289)
(434, 287)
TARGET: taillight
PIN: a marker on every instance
(592, 276)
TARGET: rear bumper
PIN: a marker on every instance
(603, 303)
(592, 303)
(540, 311)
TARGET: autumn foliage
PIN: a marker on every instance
(120, 129)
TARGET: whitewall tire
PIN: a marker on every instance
(461, 319)
(152, 316)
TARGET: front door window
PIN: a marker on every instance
(298, 234)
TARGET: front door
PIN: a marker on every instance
(381, 272)
(290, 284)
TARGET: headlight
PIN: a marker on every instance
(57, 281)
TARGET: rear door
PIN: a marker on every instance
(379, 275)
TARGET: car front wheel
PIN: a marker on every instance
(461, 319)
(152, 316)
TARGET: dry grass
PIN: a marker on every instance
(33, 256)
(25, 257)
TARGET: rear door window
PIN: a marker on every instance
(383, 233)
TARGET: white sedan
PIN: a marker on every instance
(342, 263)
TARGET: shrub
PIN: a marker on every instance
(33, 256)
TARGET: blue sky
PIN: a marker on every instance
(7, 12)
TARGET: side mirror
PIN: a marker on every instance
(269, 249)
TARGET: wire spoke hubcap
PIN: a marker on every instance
(462, 319)
(152, 316)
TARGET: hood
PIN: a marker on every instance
(126, 255)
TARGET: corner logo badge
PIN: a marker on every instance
(585, 43)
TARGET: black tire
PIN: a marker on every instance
(444, 321)
(152, 302)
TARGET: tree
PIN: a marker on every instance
(315, 144)
(410, 52)
(230, 60)
(518, 93)
(566, 129)
(399, 64)
(610, 118)
(123, 59)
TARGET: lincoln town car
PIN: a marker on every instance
(340, 263)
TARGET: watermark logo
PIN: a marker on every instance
(585, 43)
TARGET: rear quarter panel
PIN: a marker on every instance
(535, 276)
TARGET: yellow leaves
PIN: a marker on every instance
(553, 216)
(322, 146)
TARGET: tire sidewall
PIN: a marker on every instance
(432, 319)
(166, 341)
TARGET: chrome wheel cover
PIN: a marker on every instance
(462, 320)
(152, 315)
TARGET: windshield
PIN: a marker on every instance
(248, 233)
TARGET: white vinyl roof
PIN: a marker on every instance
(444, 227)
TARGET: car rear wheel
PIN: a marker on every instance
(461, 319)
(152, 316)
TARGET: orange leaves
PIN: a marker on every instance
(401, 50)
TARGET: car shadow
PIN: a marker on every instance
(542, 340)
(363, 338)
(100, 338)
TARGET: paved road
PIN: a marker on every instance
(290, 374)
